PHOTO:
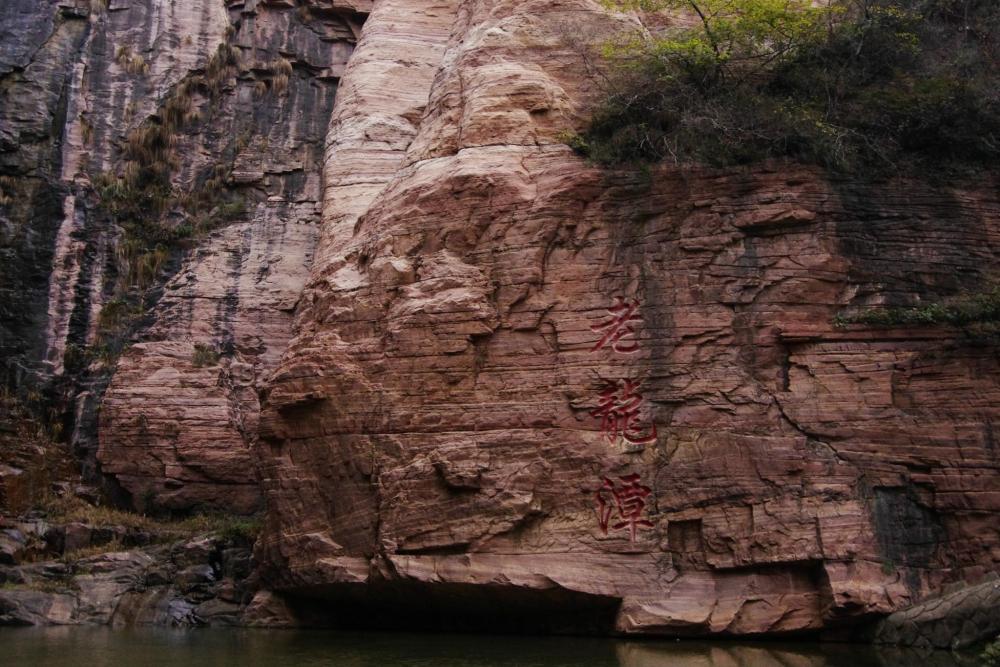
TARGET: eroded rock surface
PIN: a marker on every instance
(440, 423)
(521, 390)
(201, 581)
(957, 619)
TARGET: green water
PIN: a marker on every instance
(100, 647)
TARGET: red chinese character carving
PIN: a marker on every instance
(617, 329)
(627, 500)
(619, 410)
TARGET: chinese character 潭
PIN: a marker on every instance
(619, 411)
(617, 328)
(627, 501)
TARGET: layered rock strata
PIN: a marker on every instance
(232, 101)
(957, 619)
(520, 382)
(522, 392)
(192, 582)
(179, 429)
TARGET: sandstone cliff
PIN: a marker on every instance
(475, 379)
(231, 100)
(521, 383)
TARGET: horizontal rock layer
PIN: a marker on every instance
(518, 375)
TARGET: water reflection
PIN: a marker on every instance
(101, 647)
(723, 654)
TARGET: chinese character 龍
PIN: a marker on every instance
(618, 411)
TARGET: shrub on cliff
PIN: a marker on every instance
(849, 84)
(977, 313)
(204, 355)
(990, 656)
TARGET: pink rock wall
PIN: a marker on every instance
(728, 462)
(174, 429)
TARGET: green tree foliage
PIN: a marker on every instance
(847, 84)
(735, 39)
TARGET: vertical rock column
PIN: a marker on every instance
(380, 104)
(179, 419)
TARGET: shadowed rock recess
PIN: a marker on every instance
(519, 392)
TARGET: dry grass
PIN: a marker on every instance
(40, 585)
(204, 355)
(131, 62)
(179, 110)
(222, 66)
(7, 185)
(29, 443)
(86, 131)
(277, 73)
(114, 546)
(74, 510)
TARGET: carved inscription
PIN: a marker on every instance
(624, 503)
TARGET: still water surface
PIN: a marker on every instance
(100, 647)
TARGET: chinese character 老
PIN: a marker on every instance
(618, 333)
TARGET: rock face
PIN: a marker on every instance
(231, 100)
(956, 620)
(181, 433)
(39, 42)
(477, 380)
(201, 581)
(529, 392)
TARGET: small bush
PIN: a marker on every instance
(990, 656)
(231, 211)
(114, 314)
(974, 311)
(133, 63)
(238, 528)
(222, 66)
(86, 131)
(76, 358)
(204, 355)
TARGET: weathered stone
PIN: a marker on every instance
(957, 619)
(268, 610)
(196, 574)
(80, 82)
(13, 491)
(76, 536)
(433, 430)
(178, 432)
(126, 588)
(432, 425)
(28, 607)
(194, 552)
(12, 546)
(219, 612)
